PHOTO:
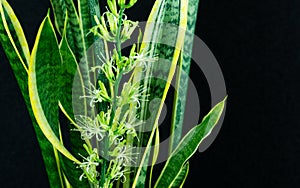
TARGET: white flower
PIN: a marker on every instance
(97, 95)
(131, 94)
(120, 173)
(143, 58)
(124, 155)
(89, 166)
(89, 128)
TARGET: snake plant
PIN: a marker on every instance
(78, 67)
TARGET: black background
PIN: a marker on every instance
(257, 44)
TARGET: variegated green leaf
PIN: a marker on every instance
(151, 31)
(66, 79)
(59, 8)
(73, 31)
(20, 72)
(174, 13)
(87, 10)
(155, 155)
(181, 176)
(188, 146)
(68, 70)
(43, 78)
(79, 23)
(182, 76)
(14, 33)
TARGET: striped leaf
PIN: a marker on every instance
(188, 146)
(59, 8)
(182, 76)
(13, 50)
(43, 84)
(14, 33)
(78, 25)
(151, 32)
(86, 8)
(173, 17)
(73, 31)
(68, 70)
(181, 176)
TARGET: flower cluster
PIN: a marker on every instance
(114, 26)
(89, 165)
(118, 65)
(118, 153)
(114, 128)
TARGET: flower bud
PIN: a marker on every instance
(122, 3)
(112, 6)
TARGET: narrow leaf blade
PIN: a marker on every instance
(20, 72)
(68, 70)
(182, 76)
(43, 68)
(12, 35)
(175, 15)
(18, 30)
(188, 146)
(181, 176)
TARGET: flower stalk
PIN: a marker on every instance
(114, 129)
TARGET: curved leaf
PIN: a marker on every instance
(20, 72)
(188, 146)
(14, 33)
(68, 70)
(44, 66)
(18, 29)
(181, 176)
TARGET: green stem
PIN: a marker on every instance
(114, 93)
(103, 170)
(114, 102)
(129, 142)
(119, 33)
(118, 184)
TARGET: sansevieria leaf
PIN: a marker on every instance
(182, 76)
(181, 176)
(152, 31)
(188, 146)
(44, 66)
(9, 28)
(174, 17)
(67, 72)
(14, 33)
(79, 22)
(73, 33)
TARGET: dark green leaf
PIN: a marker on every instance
(22, 78)
(188, 146)
(164, 35)
(181, 176)
(68, 70)
(67, 73)
(43, 82)
(73, 31)
(79, 23)
(182, 76)
(47, 67)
